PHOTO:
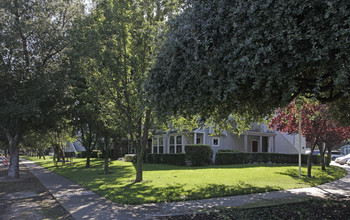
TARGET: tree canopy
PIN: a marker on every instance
(249, 57)
(33, 86)
(113, 48)
(316, 126)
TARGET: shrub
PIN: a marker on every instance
(68, 154)
(199, 154)
(243, 158)
(130, 157)
(94, 154)
(100, 155)
(81, 154)
(174, 159)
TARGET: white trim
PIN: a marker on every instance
(152, 146)
(182, 143)
(260, 144)
(158, 145)
(213, 142)
(265, 134)
(175, 143)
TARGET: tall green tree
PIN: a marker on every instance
(37, 142)
(85, 113)
(33, 86)
(118, 40)
(246, 58)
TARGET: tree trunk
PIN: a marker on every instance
(89, 146)
(106, 167)
(13, 140)
(115, 146)
(309, 161)
(56, 157)
(141, 149)
(139, 167)
(329, 155)
(62, 151)
(88, 156)
(322, 153)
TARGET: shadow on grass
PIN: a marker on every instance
(138, 193)
(156, 167)
(330, 174)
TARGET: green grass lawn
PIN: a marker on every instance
(175, 183)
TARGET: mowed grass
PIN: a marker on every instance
(176, 183)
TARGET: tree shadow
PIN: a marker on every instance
(325, 177)
(156, 167)
(139, 193)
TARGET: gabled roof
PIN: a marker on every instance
(74, 147)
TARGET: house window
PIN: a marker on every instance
(172, 145)
(198, 140)
(155, 145)
(179, 144)
(216, 141)
(175, 145)
(158, 147)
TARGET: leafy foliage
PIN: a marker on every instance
(246, 58)
(174, 159)
(34, 88)
(317, 126)
(114, 47)
(198, 154)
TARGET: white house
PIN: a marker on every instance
(259, 139)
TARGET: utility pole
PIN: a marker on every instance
(300, 109)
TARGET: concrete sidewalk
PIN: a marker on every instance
(85, 204)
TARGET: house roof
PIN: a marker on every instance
(78, 146)
(255, 133)
(74, 147)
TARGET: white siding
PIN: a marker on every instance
(289, 144)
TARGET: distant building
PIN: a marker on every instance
(259, 139)
(345, 149)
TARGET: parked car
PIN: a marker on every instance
(316, 152)
(343, 160)
(336, 154)
(348, 163)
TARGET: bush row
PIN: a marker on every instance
(130, 158)
(196, 154)
(199, 155)
(94, 154)
(222, 158)
(174, 159)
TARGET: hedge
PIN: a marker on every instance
(94, 154)
(174, 159)
(244, 158)
(81, 154)
(199, 154)
(69, 154)
(130, 157)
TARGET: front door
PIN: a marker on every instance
(254, 146)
